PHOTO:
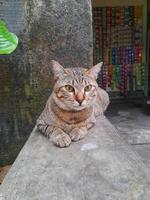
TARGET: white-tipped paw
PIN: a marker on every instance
(60, 138)
(78, 133)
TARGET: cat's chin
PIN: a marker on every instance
(78, 108)
(74, 108)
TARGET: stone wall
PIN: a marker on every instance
(47, 29)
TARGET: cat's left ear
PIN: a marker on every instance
(57, 70)
(95, 70)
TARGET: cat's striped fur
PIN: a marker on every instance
(73, 106)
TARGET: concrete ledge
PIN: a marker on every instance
(100, 167)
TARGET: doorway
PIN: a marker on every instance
(119, 40)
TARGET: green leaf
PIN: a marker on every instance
(8, 40)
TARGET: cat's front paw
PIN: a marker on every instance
(60, 138)
(78, 133)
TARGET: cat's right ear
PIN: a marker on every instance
(93, 72)
(57, 70)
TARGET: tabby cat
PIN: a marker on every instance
(74, 104)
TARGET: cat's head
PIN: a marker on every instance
(75, 88)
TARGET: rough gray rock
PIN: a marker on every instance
(100, 167)
(47, 29)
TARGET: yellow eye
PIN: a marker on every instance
(88, 88)
(69, 88)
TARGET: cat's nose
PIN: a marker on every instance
(80, 101)
(80, 98)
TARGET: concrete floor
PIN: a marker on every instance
(133, 124)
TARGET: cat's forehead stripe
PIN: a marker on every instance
(78, 75)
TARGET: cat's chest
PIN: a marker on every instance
(72, 117)
(70, 120)
(68, 127)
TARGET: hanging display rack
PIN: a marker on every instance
(118, 42)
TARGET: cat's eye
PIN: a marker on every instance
(88, 88)
(69, 88)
